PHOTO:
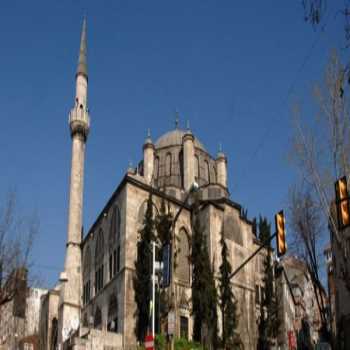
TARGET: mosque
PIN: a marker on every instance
(92, 304)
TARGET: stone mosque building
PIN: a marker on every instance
(92, 305)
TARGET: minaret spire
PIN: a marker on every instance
(71, 278)
(82, 61)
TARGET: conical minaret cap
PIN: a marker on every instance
(82, 61)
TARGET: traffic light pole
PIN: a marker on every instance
(245, 262)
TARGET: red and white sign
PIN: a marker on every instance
(291, 340)
(149, 342)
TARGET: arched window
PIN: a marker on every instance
(168, 165)
(99, 267)
(86, 276)
(196, 168)
(183, 268)
(206, 171)
(156, 167)
(181, 164)
(87, 262)
(112, 321)
(54, 333)
(114, 243)
(99, 248)
(213, 175)
(114, 230)
(98, 318)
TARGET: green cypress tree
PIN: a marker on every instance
(269, 322)
(228, 308)
(142, 278)
(163, 223)
(204, 295)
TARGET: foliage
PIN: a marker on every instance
(180, 343)
(184, 344)
(269, 321)
(204, 294)
(254, 226)
(264, 230)
(227, 305)
(160, 342)
(244, 213)
(142, 278)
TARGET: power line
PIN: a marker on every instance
(47, 267)
(284, 101)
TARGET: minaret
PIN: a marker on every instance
(71, 278)
(188, 158)
(148, 158)
(221, 164)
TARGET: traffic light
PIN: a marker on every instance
(280, 233)
(342, 202)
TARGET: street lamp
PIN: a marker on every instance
(172, 316)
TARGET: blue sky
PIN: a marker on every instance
(233, 68)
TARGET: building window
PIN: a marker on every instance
(184, 327)
(181, 165)
(115, 225)
(196, 168)
(111, 269)
(257, 298)
(112, 321)
(168, 165)
(118, 259)
(206, 172)
(54, 333)
(213, 175)
(99, 278)
(86, 275)
(156, 167)
(86, 292)
(99, 268)
(98, 319)
(183, 270)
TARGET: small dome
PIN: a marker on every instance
(174, 138)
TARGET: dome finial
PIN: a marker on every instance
(220, 147)
(149, 133)
(188, 124)
(176, 119)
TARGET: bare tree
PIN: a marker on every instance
(322, 154)
(316, 12)
(306, 226)
(17, 234)
(321, 148)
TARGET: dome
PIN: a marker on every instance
(174, 138)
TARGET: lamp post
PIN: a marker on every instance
(194, 188)
(153, 283)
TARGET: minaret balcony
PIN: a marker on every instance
(79, 121)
